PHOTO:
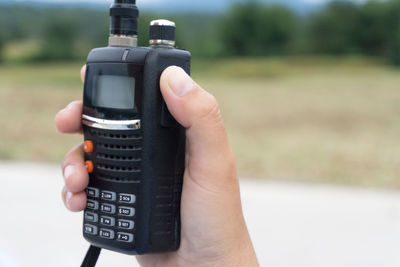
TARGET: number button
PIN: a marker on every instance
(107, 234)
(108, 221)
(124, 224)
(107, 208)
(107, 195)
(93, 205)
(126, 211)
(127, 198)
(93, 192)
(123, 237)
(90, 229)
(91, 217)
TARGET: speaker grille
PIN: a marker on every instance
(117, 155)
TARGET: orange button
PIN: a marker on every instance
(88, 146)
(89, 166)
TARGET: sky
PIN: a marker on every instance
(192, 5)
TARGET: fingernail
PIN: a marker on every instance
(69, 172)
(68, 197)
(181, 83)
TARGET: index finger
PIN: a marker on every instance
(69, 119)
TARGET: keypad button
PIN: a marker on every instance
(108, 234)
(93, 192)
(124, 224)
(127, 198)
(92, 204)
(91, 217)
(107, 208)
(124, 237)
(90, 229)
(126, 211)
(108, 221)
(108, 195)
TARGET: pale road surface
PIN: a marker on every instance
(291, 225)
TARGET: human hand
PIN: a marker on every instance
(214, 232)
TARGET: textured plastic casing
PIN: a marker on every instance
(148, 162)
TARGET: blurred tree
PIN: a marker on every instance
(392, 28)
(58, 39)
(1, 48)
(334, 29)
(371, 31)
(254, 29)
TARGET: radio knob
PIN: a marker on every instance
(162, 32)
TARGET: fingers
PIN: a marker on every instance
(68, 120)
(76, 180)
(198, 111)
(83, 73)
(74, 170)
(75, 202)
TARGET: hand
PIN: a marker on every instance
(214, 232)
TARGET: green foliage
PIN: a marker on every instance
(332, 31)
(254, 29)
(251, 28)
(58, 40)
(1, 48)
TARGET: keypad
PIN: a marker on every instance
(127, 198)
(92, 204)
(91, 217)
(90, 229)
(126, 211)
(108, 234)
(93, 192)
(110, 215)
(107, 221)
(125, 224)
(108, 208)
(107, 195)
(124, 237)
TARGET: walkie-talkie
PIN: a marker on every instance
(134, 148)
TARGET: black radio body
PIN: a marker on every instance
(134, 149)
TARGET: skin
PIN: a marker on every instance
(214, 231)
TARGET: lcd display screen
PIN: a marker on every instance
(111, 91)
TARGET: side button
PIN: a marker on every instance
(88, 146)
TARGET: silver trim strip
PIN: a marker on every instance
(111, 125)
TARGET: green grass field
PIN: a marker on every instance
(316, 120)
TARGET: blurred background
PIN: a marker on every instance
(308, 89)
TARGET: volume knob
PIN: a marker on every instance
(162, 32)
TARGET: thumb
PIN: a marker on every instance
(210, 155)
